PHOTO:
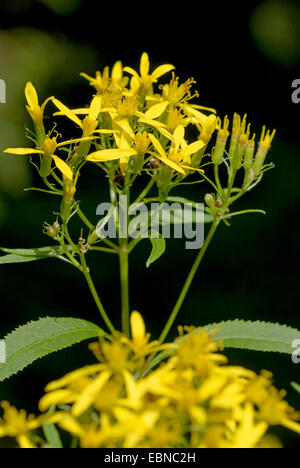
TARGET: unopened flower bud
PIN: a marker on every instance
(93, 238)
(223, 134)
(210, 200)
(249, 154)
(249, 178)
(263, 148)
(155, 163)
(120, 177)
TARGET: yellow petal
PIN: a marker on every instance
(144, 65)
(67, 112)
(156, 110)
(31, 95)
(75, 140)
(67, 423)
(193, 148)
(178, 136)
(124, 124)
(137, 324)
(95, 107)
(171, 164)
(80, 111)
(25, 443)
(22, 151)
(131, 71)
(73, 377)
(110, 155)
(87, 398)
(157, 145)
(162, 70)
(63, 167)
(59, 397)
(116, 72)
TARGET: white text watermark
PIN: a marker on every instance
(167, 220)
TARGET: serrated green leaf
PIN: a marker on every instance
(30, 255)
(254, 336)
(158, 249)
(37, 339)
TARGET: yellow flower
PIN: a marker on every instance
(179, 154)
(135, 427)
(35, 110)
(139, 342)
(207, 129)
(90, 122)
(143, 82)
(104, 83)
(246, 432)
(49, 148)
(18, 425)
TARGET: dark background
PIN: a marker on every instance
(244, 59)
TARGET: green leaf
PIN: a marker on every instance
(51, 433)
(37, 339)
(158, 248)
(30, 255)
(296, 386)
(256, 336)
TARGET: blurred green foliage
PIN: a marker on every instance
(275, 28)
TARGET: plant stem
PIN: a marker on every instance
(146, 190)
(189, 280)
(124, 277)
(87, 275)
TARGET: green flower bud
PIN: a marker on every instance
(210, 200)
(93, 238)
(249, 154)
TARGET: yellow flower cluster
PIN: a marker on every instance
(130, 118)
(133, 124)
(191, 399)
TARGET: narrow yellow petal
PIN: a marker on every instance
(25, 443)
(73, 377)
(137, 324)
(131, 71)
(75, 140)
(31, 95)
(178, 136)
(59, 397)
(171, 164)
(22, 151)
(157, 146)
(156, 110)
(162, 70)
(95, 107)
(63, 167)
(88, 396)
(144, 65)
(110, 155)
(80, 111)
(193, 148)
(67, 112)
(116, 72)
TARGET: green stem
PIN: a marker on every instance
(146, 190)
(189, 280)
(87, 275)
(124, 276)
(85, 220)
(92, 228)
